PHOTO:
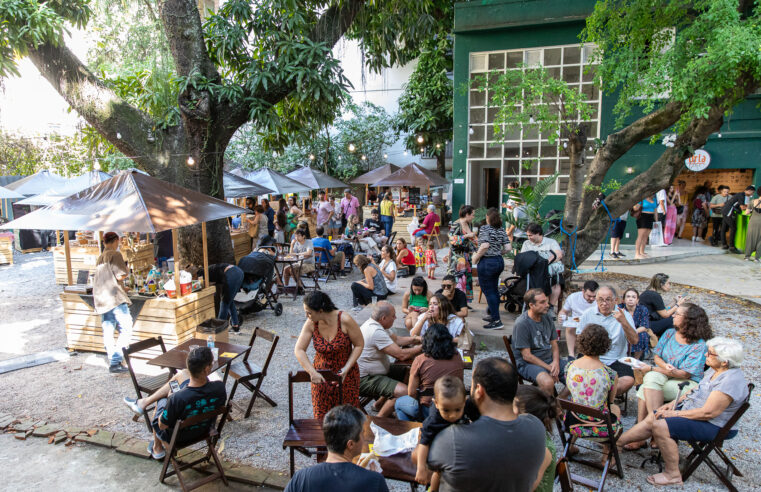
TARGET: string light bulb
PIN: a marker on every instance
(274, 154)
(420, 139)
(405, 152)
(311, 157)
(471, 130)
(438, 145)
(352, 147)
(385, 156)
(364, 157)
(191, 161)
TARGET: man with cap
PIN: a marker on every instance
(349, 206)
(111, 301)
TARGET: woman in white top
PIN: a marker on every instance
(388, 268)
(440, 310)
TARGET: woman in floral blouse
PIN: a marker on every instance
(592, 383)
(462, 241)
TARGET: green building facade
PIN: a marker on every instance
(500, 34)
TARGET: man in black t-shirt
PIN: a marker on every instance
(457, 297)
(342, 427)
(197, 395)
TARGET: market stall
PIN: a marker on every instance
(371, 177)
(238, 187)
(140, 204)
(406, 185)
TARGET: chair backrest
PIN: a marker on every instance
(563, 475)
(724, 431)
(595, 413)
(318, 255)
(133, 349)
(304, 377)
(270, 337)
(212, 416)
(509, 348)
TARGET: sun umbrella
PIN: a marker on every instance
(315, 179)
(37, 183)
(129, 202)
(376, 174)
(236, 187)
(412, 175)
(6, 194)
(269, 178)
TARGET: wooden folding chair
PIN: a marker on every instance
(323, 268)
(509, 347)
(434, 235)
(569, 439)
(250, 375)
(211, 436)
(563, 475)
(701, 450)
(305, 435)
(147, 385)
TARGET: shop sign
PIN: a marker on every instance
(699, 160)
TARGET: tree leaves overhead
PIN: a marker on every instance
(25, 23)
(262, 45)
(426, 105)
(688, 51)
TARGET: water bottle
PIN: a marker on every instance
(210, 342)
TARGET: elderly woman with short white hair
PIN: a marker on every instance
(699, 414)
(429, 222)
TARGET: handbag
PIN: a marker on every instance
(465, 340)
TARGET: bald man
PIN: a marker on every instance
(377, 378)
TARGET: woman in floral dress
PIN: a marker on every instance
(338, 343)
(592, 383)
(462, 242)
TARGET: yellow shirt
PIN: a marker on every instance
(387, 207)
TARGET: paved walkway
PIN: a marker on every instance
(36, 465)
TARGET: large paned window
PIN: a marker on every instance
(526, 155)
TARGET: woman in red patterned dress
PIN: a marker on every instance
(337, 342)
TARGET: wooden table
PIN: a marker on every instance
(284, 262)
(397, 467)
(176, 358)
(6, 249)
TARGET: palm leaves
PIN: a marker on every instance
(530, 198)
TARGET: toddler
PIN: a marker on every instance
(419, 253)
(431, 262)
(451, 406)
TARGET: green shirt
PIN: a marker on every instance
(418, 300)
(718, 199)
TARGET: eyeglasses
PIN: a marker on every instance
(606, 300)
(446, 286)
(712, 354)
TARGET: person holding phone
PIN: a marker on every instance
(661, 317)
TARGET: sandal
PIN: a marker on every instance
(155, 456)
(662, 479)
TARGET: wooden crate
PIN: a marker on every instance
(6, 250)
(175, 320)
(241, 244)
(140, 257)
(82, 258)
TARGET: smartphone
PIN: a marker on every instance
(174, 386)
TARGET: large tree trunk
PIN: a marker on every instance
(577, 139)
(441, 163)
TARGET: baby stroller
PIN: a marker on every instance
(530, 271)
(257, 291)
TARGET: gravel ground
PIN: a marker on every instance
(81, 392)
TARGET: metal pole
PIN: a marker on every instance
(176, 251)
(205, 256)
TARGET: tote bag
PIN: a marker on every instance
(656, 234)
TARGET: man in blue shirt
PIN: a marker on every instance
(331, 256)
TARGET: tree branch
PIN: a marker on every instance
(182, 23)
(96, 103)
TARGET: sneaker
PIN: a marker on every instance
(724, 246)
(117, 368)
(494, 325)
(614, 255)
(488, 319)
(620, 254)
(734, 251)
(132, 404)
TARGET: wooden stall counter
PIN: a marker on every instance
(6, 249)
(241, 243)
(174, 319)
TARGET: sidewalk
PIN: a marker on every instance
(680, 248)
(36, 465)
